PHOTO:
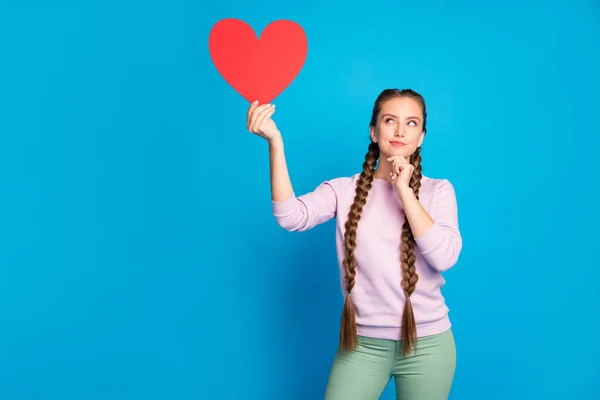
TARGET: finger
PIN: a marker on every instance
(253, 105)
(269, 114)
(251, 112)
(265, 111)
(397, 158)
(261, 117)
(256, 113)
(264, 118)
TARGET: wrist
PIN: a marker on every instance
(275, 142)
(404, 190)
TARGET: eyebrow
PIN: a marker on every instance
(395, 116)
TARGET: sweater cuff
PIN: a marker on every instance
(431, 239)
(284, 207)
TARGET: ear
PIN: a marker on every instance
(421, 139)
(373, 136)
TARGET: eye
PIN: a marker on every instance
(389, 120)
(413, 122)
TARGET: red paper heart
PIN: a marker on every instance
(258, 69)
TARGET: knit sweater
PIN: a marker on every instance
(377, 295)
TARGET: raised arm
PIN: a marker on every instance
(281, 185)
(259, 122)
(291, 213)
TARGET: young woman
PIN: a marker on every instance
(397, 232)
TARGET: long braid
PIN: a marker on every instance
(348, 333)
(409, 274)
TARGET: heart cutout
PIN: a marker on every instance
(258, 68)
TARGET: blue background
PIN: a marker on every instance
(139, 258)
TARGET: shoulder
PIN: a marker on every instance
(437, 187)
(435, 183)
(342, 183)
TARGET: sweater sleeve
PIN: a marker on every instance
(442, 243)
(302, 213)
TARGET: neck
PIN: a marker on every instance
(383, 170)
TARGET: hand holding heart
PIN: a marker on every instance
(401, 173)
(259, 122)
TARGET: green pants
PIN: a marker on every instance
(363, 374)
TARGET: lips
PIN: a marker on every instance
(397, 143)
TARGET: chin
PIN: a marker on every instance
(400, 151)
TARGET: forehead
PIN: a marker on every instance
(402, 107)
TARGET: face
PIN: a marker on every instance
(399, 127)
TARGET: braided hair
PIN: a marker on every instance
(409, 278)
